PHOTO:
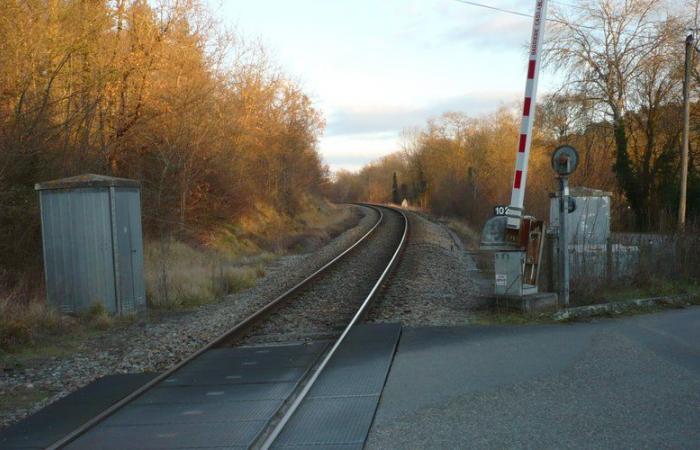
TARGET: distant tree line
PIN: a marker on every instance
(620, 105)
(152, 90)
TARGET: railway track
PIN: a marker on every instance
(321, 309)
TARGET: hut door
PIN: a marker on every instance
(124, 251)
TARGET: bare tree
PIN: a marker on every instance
(610, 53)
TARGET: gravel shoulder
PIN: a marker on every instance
(156, 342)
(437, 281)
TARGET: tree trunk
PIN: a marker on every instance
(624, 173)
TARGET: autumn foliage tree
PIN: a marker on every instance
(156, 91)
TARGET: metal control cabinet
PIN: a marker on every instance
(509, 274)
(516, 265)
(93, 244)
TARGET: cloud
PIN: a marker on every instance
(357, 136)
(450, 22)
(499, 31)
(462, 23)
(353, 164)
(354, 151)
(351, 121)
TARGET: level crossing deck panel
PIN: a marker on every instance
(207, 394)
(225, 398)
(171, 436)
(339, 409)
(61, 417)
(226, 376)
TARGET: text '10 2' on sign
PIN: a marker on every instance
(500, 210)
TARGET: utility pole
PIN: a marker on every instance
(689, 47)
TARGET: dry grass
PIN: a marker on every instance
(181, 276)
(641, 288)
(469, 236)
(97, 317)
(231, 259)
(267, 229)
(26, 323)
(22, 323)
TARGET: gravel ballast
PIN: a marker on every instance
(156, 343)
(437, 281)
(325, 307)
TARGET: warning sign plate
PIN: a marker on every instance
(501, 279)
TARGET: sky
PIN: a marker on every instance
(376, 67)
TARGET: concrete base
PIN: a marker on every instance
(582, 312)
(541, 301)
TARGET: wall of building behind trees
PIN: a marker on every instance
(155, 91)
(620, 105)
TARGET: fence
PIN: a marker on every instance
(625, 259)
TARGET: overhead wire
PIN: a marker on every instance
(494, 8)
(516, 13)
(549, 19)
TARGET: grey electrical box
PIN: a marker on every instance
(93, 245)
(589, 222)
(509, 274)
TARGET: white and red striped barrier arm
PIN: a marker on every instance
(517, 197)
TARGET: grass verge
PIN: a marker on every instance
(181, 276)
(642, 288)
(28, 327)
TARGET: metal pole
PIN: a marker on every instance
(689, 47)
(563, 242)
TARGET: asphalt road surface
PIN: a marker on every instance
(626, 383)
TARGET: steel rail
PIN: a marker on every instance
(269, 441)
(236, 329)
